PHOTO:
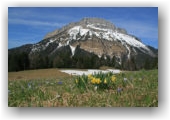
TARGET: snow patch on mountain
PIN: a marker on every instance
(77, 29)
(72, 50)
(130, 40)
(50, 41)
(128, 51)
(35, 48)
(99, 56)
(59, 45)
(119, 60)
(83, 31)
(97, 28)
(134, 50)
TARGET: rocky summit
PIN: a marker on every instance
(89, 43)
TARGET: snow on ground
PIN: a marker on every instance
(89, 71)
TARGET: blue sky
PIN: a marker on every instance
(30, 24)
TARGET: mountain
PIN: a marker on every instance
(89, 43)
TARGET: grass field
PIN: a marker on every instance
(37, 74)
(52, 88)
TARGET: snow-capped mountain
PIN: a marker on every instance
(97, 37)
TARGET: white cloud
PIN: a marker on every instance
(33, 22)
(34, 13)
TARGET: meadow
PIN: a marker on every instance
(52, 88)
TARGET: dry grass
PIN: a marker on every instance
(141, 90)
(36, 74)
(105, 67)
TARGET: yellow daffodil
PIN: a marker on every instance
(89, 75)
(93, 81)
(113, 78)
(105, 81)
(98, 81)
(76, 81)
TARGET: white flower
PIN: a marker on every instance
(125, 79)
(58, 96)
(95, 88)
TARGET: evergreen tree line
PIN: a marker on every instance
(81, 59)
(18, 62)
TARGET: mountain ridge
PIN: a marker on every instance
(99, 39)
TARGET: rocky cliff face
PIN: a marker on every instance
(97, 37)
(84, 22)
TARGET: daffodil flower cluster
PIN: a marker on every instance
(98, 81)
(103, 81)
(94, 80)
